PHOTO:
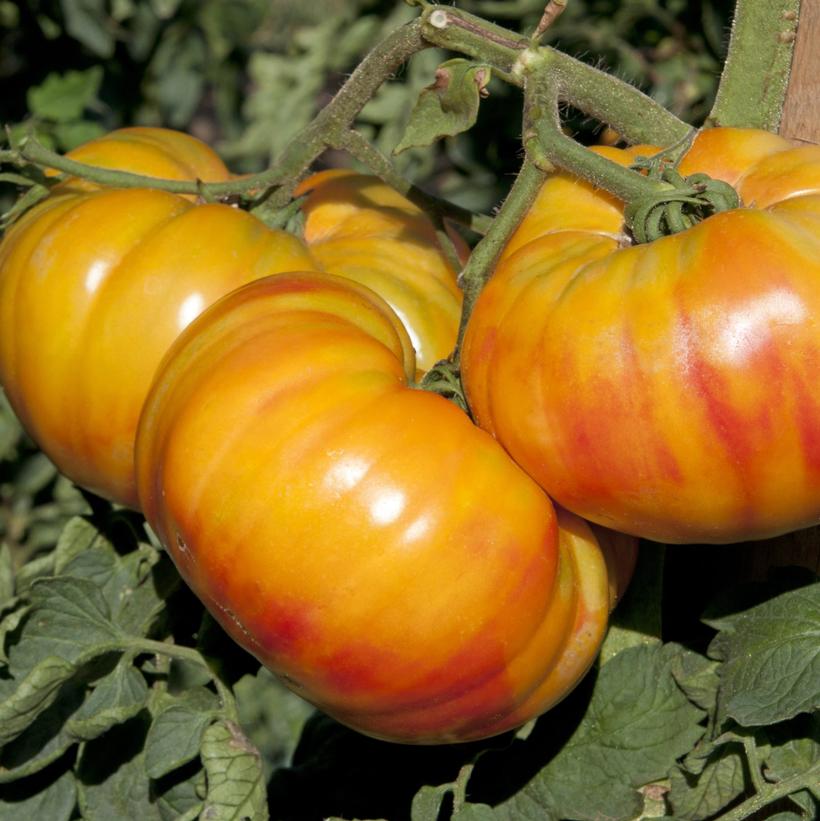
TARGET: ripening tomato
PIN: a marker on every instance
(359, 228)
(364, 539)
(96, 284)
(669, 389)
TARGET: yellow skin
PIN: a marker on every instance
(94, 287)
(667, 390)
(364, 540)
(359, 228)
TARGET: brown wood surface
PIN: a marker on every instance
(801, 112)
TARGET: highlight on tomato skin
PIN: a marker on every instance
(96, 283)
(667, 390)
(363, 539)
(358, 227)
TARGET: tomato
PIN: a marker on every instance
(359, 228)
(668, 390)
(96, 284)
(364, 539)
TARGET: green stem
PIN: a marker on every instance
(366, 153)
(38, 154)
(756, 74)
(772, 793)
(479, 267)
(546, 141)
(336, 118)
(753, 759)
(629, 111)
(189, 654)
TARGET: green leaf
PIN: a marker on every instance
(696, 797)
(179, 795)
(793, 747)
(77, 537)
(698, 677)
(64, 97)
(427, 802)
(69, 619)
(70, 135)
(272, 717)
(474, 812)
(177, 75)
(45, 739)
(86, 22)
(447, 107)
(637, 724)
(771, 658)
(176, 735)
(118, 697)
(236, 785)
(34, 694)
(52, 798)
(111, 775)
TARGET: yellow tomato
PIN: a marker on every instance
(96, 284)
(365, 540)
(668, 390)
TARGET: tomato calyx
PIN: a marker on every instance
(444, 378)
(685, 202)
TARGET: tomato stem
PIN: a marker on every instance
(755, 76)
(483, 258)
(629, 111)
(772, 793)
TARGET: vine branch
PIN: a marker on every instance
(756, 74)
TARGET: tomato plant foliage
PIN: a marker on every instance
(121, 697)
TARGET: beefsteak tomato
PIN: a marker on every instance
(96, 284)
(668, 390)
(365, 540)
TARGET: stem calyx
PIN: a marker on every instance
(682, 203)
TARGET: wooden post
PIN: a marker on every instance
(801, 111)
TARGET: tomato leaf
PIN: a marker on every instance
(236, 786)
(64, 97)
(637, 724)
(176, 734)
(696, 797)
(447, 107)
(117, 697)
(52, 797)
(272, 716)
(45, 739)
(427, 802)
(771, 658)
(698, 677)
(111, 775)
(33, 695)
(793, 747)
(69, 619)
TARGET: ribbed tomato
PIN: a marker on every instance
(669, 389)
(359, 228)
(96, 284)
(365, 540)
